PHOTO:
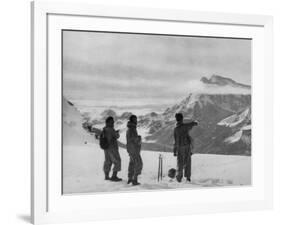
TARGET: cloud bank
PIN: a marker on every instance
(136, 69)
(196, 86)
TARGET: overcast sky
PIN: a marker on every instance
(120, 69)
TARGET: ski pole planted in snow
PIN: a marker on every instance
(161, 170)
(160, 167)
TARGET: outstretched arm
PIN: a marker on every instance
(116, 134)
(192, 124)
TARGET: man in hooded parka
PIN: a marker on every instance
(182, 147)
(111, 154)
(133, 149)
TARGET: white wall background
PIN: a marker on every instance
(15, 108)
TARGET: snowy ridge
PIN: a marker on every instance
(247, 127)
(73, 132)
(235, 119)
(192, 99)
(239, 122)
(234, 138)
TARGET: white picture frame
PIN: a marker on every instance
(48, 204)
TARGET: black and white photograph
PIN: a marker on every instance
(144, 112)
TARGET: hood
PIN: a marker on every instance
(179, 123)
(109, 125)
(131, 125)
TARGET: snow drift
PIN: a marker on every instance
(73, 132)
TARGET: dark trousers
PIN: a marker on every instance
(111, 157)
(184, 162)
(135, 166)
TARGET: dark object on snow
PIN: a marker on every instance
(114, 177)
(179, 179)
(106, 176)
(172, 173)
(70, 103)
(135, 182)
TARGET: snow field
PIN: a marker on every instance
(83, 171)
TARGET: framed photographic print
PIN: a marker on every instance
(147, 112)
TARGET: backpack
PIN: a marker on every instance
(172, 173)
(103, 141)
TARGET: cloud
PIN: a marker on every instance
(148, 69)
(196, 86)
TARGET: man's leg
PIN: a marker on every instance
(137, 168)
(107, 164)
(116, 160)
(180, 164)
(187, 169)
(131, 170)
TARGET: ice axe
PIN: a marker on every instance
(160, 167)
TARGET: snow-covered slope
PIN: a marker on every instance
(236, 119)
(73, 132)
(82, 166)
(240, 124)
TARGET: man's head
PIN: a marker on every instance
(179, 117)
(109, 121)
(133, 119)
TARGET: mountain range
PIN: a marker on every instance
(224, 120)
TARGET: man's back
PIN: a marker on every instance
(181, 134)
(133, 140)
(112, 137)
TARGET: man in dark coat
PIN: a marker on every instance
(182, 147)
(111, 153)
(133, 148)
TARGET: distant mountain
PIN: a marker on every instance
(125, 115)
(108, 112)
(224, 121)
(223, 81)
(209, 106)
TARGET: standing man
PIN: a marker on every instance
(182, 147)
(133, 148)
(111, 152)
